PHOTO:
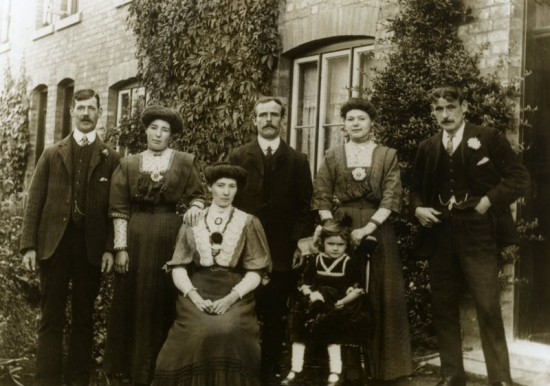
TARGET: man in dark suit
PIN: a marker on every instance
(278, 191)
(464, 180)
(67, 234)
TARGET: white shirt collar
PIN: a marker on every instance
(78, 135)
(265, 143)
(457, 137)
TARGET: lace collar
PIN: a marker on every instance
(231, 237)
(156, 162)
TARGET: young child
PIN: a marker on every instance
(331, 304)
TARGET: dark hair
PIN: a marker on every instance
(333, 228)
(267, 99)
(172, 116)
(358, 104)
(84, 94)
(447, 92)
(225, 170)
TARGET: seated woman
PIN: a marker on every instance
(332, 306)
(216, 266)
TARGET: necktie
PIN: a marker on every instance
(268, 153)
(449, 145)
(84, 141)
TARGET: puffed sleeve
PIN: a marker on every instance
(185, 248)
(391, 188)
(323, 187)
(256, 250)
(119, 198)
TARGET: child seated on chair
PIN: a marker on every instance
(331, 307)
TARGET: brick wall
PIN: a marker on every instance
(95, 49)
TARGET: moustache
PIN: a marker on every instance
(447, 121)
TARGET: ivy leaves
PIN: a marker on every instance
(14, 133)
(211, 59)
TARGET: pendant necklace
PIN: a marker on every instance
(217, 237)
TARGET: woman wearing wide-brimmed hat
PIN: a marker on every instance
(146, 189)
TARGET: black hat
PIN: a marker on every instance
(225, 170)
(172, 116)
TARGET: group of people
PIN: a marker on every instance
(205, 298)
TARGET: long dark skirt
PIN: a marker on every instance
(143, 307)
(211, 350)
(390, 351)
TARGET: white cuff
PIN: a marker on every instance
(248, 283)
(120, 241)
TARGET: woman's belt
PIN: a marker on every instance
(151, 208)
(360, 203)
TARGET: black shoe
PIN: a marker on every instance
(293, 379)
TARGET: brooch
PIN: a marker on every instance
(358, 174)
(156, 176)
(474, 143)
(105, 153)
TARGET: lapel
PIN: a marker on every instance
(256, 156)
(280, 156)
(469, 132)
(434, 151)
(64, 149)
(96, 158)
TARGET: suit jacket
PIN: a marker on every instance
(48, 208)
(286, 216)
(493, 169)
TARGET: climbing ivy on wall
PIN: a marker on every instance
(14, 132)
(211, 59)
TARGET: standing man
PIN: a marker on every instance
(68, 236)
(464, 180)
(278, 191)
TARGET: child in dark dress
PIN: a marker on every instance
(331, 306)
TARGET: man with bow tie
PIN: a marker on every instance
(464, 180)
(69, 238)
(278, 191)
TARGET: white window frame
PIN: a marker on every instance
(133, 92)
(296, 81)
(5, 16)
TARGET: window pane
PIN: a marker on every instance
(365, 68)
(307, 109)
(337, 92)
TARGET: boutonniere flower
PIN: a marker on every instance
(358, 174)
(156, 176)
(105, 153)
(474, 143)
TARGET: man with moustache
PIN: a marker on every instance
(464, 180)
(69, 238)
(278, 191)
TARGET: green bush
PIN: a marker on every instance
(428, 52)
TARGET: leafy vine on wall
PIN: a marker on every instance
(14, 133)
(211, 59)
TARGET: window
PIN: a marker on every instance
(5, 8)
(128, 99)
(55, 10)
(63, 122)
(321, 84)
(38, 119)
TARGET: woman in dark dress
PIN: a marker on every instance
(363, 178)
(216, 266)
(145, 190)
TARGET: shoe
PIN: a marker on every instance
(502, 383)
(452, 382)
(292, 379)
(338, 382)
